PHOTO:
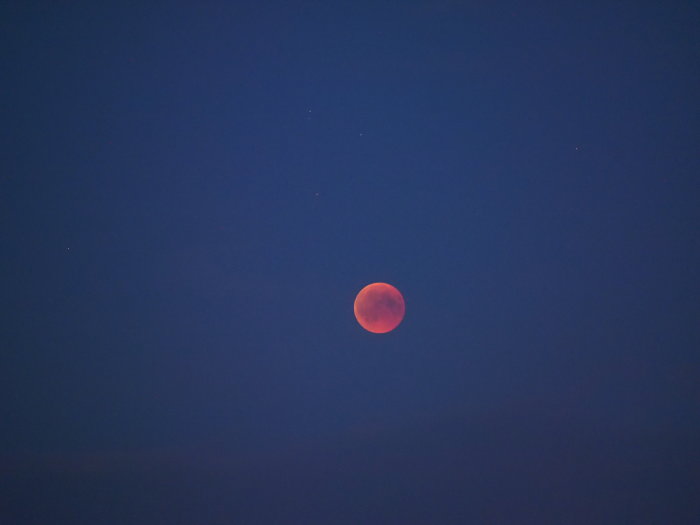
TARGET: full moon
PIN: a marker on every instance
(379, 308)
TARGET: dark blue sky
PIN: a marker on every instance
(191, 195)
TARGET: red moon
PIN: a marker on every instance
(379, 308)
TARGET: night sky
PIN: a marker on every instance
(193, 193)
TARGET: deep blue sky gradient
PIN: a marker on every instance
(191, 195)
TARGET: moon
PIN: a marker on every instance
(379, 308)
